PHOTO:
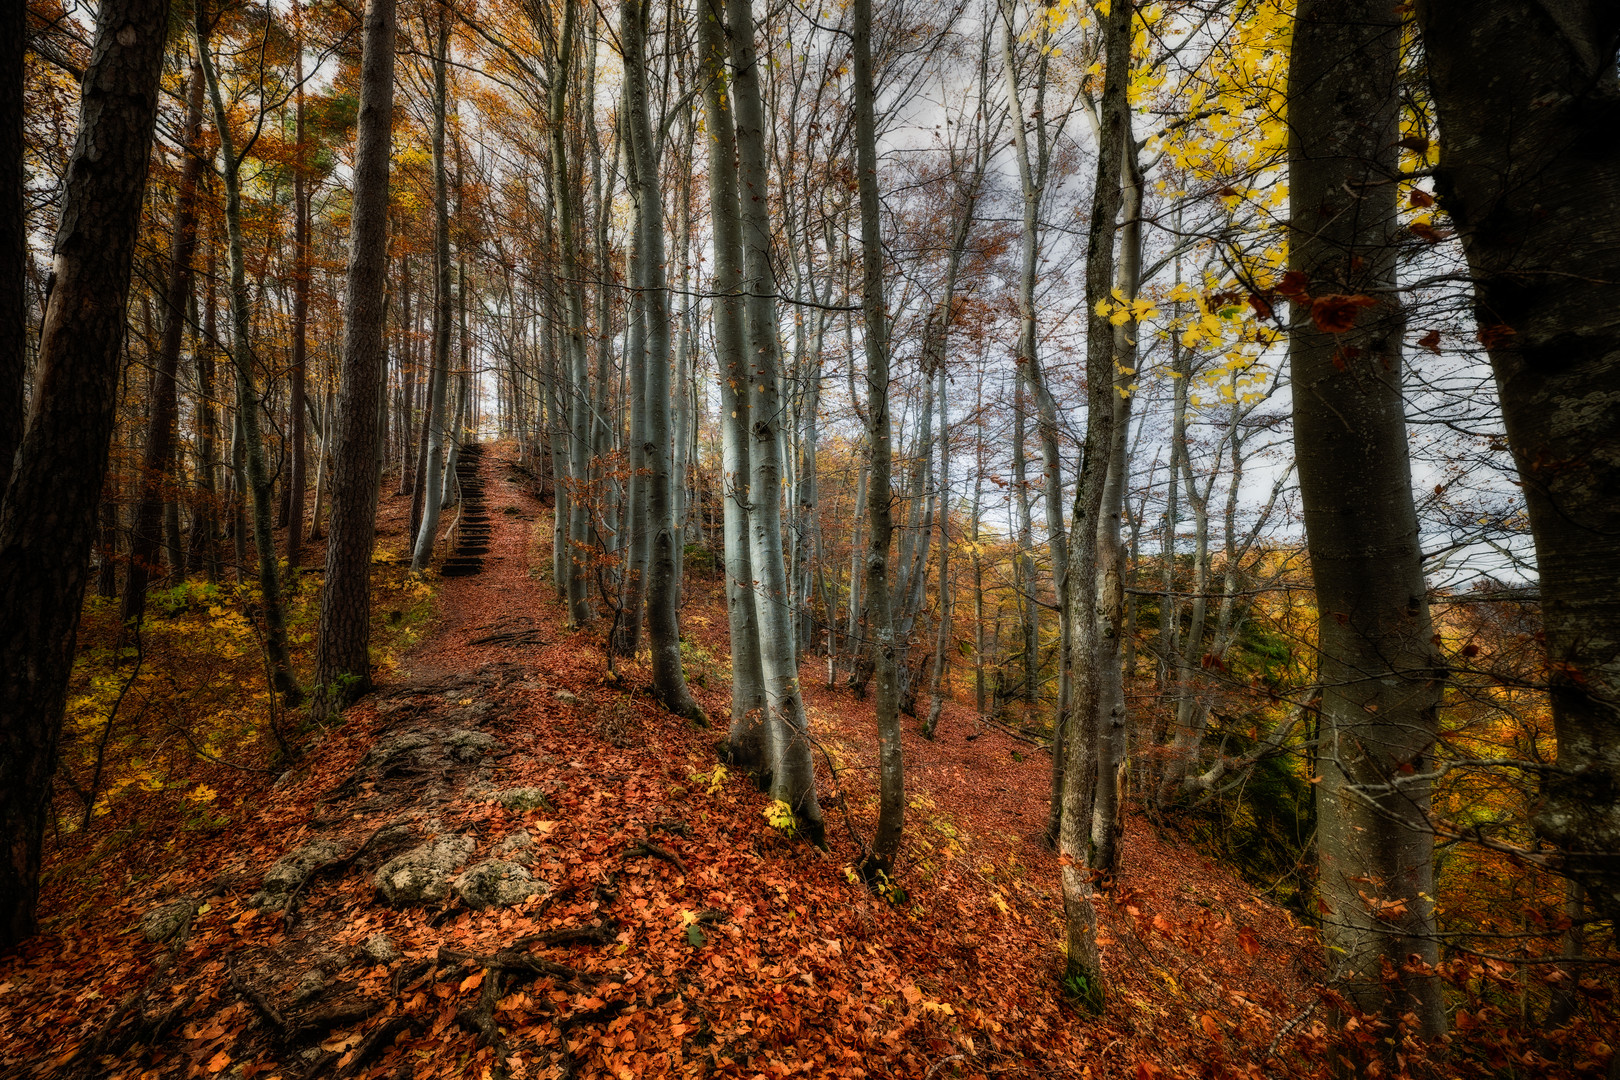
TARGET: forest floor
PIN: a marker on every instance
(662, 926)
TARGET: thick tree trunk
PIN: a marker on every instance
(880, 522)
(163, 403)
(746, 738)
(1528, 103)
(343, 658)
(1380, 675)
(663, 587)
(13, 236)
(48, 518)
(793, 776)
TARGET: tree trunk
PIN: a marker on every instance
(1528, 103)
(1380, 675)
(880, 522)
(48, 519)
(1108, 809)
(669, 681)
(746, 738)
(429, 491)
(13, 236)
(247, 401)
(942, 642)
(163, 401)
(1083, 970)
(793, 776)
(298, 475)
(343, 659)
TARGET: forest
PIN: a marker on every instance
(751, 538)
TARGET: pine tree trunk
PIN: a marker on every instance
(1381, 678)
(48, 518)
(343, 659)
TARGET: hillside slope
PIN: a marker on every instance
(660, 926)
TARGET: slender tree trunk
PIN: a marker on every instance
(793, 777)
(343, 669)
(48, 518)
(1381, 678)
(942, 643)
(207, 522)
(298, 478)
(669, 681)
(429, 491)
(247, 402)
(1108, 811)
(163, 400)
(1080, 754)
(746, 738)
(879, 614)
(1528, 102)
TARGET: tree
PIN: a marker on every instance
(48, 519)
(1380, 674)
(793, 777)
(880, 519)
(663, 586)
(433, 476)
(1526, 97)
(250, 439)
(164, 403)
(745, 741)
(343, 651)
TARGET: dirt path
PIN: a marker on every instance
(505, 863)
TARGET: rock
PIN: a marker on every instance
(468, 746)
(496, 883)
(520, 800)
(165, 920)
(310, 987)
(566, 698)
(479, 791)
(389, 749)
(290, 871)
(514, 842)
(422, 875)
(379, 949)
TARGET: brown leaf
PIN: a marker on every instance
(1336, 312)
(1431, 341)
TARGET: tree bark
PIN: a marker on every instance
(880, 521)
(1529, 170)
(13, 236)
(1380, 675)
(48, 519)
(247, 399)
(793, 776)
(746, 738)
(298, 475)
(1083, 968)
(343, 660)
(429, 489)
(663, 587)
